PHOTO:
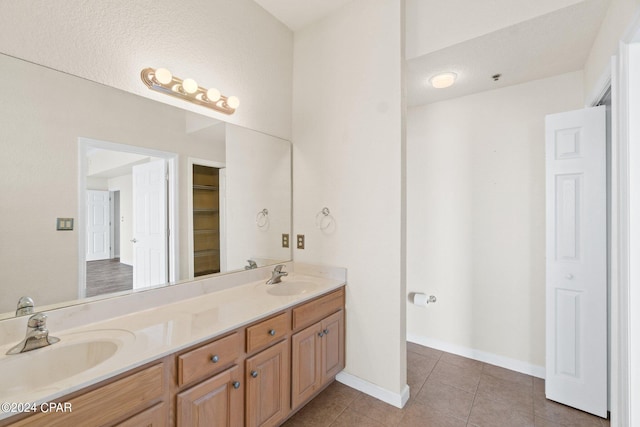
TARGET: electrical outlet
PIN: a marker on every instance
(285, 240)
(300, 240)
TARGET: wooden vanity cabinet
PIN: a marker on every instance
(133, 399)
(257, 375)
(317, 352)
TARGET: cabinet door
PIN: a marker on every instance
(267, 378)
(217, 401)
(332, 345)
(306, 368)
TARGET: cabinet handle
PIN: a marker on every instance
(236, 384)
(321, 334)
(326, 332)
(272, 332)
(215, 359)
(254, 374)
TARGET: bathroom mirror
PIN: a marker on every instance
(104, 191)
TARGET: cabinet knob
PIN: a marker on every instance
(326, 332)
(321, 334)
(236, 384)
(254, 374)
(272, 332)
(215, 358)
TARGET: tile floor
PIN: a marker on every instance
(446, 390)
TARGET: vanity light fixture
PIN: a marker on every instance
(163, 81)
(442, 80)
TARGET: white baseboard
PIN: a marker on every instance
(396, 399)
(493, 359)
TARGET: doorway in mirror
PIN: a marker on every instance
(126, 224)
(206, 220)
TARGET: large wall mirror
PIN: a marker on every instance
(107, 192)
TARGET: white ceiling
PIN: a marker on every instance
(297, 14)
(523, 40)
(433, 25)
(549, 45)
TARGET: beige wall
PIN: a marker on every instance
(234, 45)
(475, 219)
(347, 137)
(258, 177)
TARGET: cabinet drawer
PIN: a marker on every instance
(104, 405)
(267, 332)
(208, 359)
(153, 417)
(318, 309)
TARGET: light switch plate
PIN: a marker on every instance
(285, 240)
(300, 240)
(64, 224)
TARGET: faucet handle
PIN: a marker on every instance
(278, 268)
(25, 306)
(37, 321)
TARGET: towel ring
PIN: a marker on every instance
(262, 218)
(324, 219)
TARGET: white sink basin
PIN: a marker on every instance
(293, 287)
(74, 354)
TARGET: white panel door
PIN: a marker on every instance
(149, 224)
(98, 228)
(576, 269)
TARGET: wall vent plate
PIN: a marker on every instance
(300, 241)
(285, 240)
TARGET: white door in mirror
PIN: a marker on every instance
(97, 225)
(150, 224)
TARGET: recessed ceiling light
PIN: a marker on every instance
(442, 80)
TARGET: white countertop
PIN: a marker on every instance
(151, 334)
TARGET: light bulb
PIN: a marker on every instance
(213, 94)
(233, 102)
(190, 86)
(163, 76)
(440, 81)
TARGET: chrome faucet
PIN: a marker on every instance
(277, 274)
(25, 306)
(251, 266)
(37, 335)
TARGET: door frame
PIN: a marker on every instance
(222, 187)
(84, 145)
(625, 320)
(625, 209)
